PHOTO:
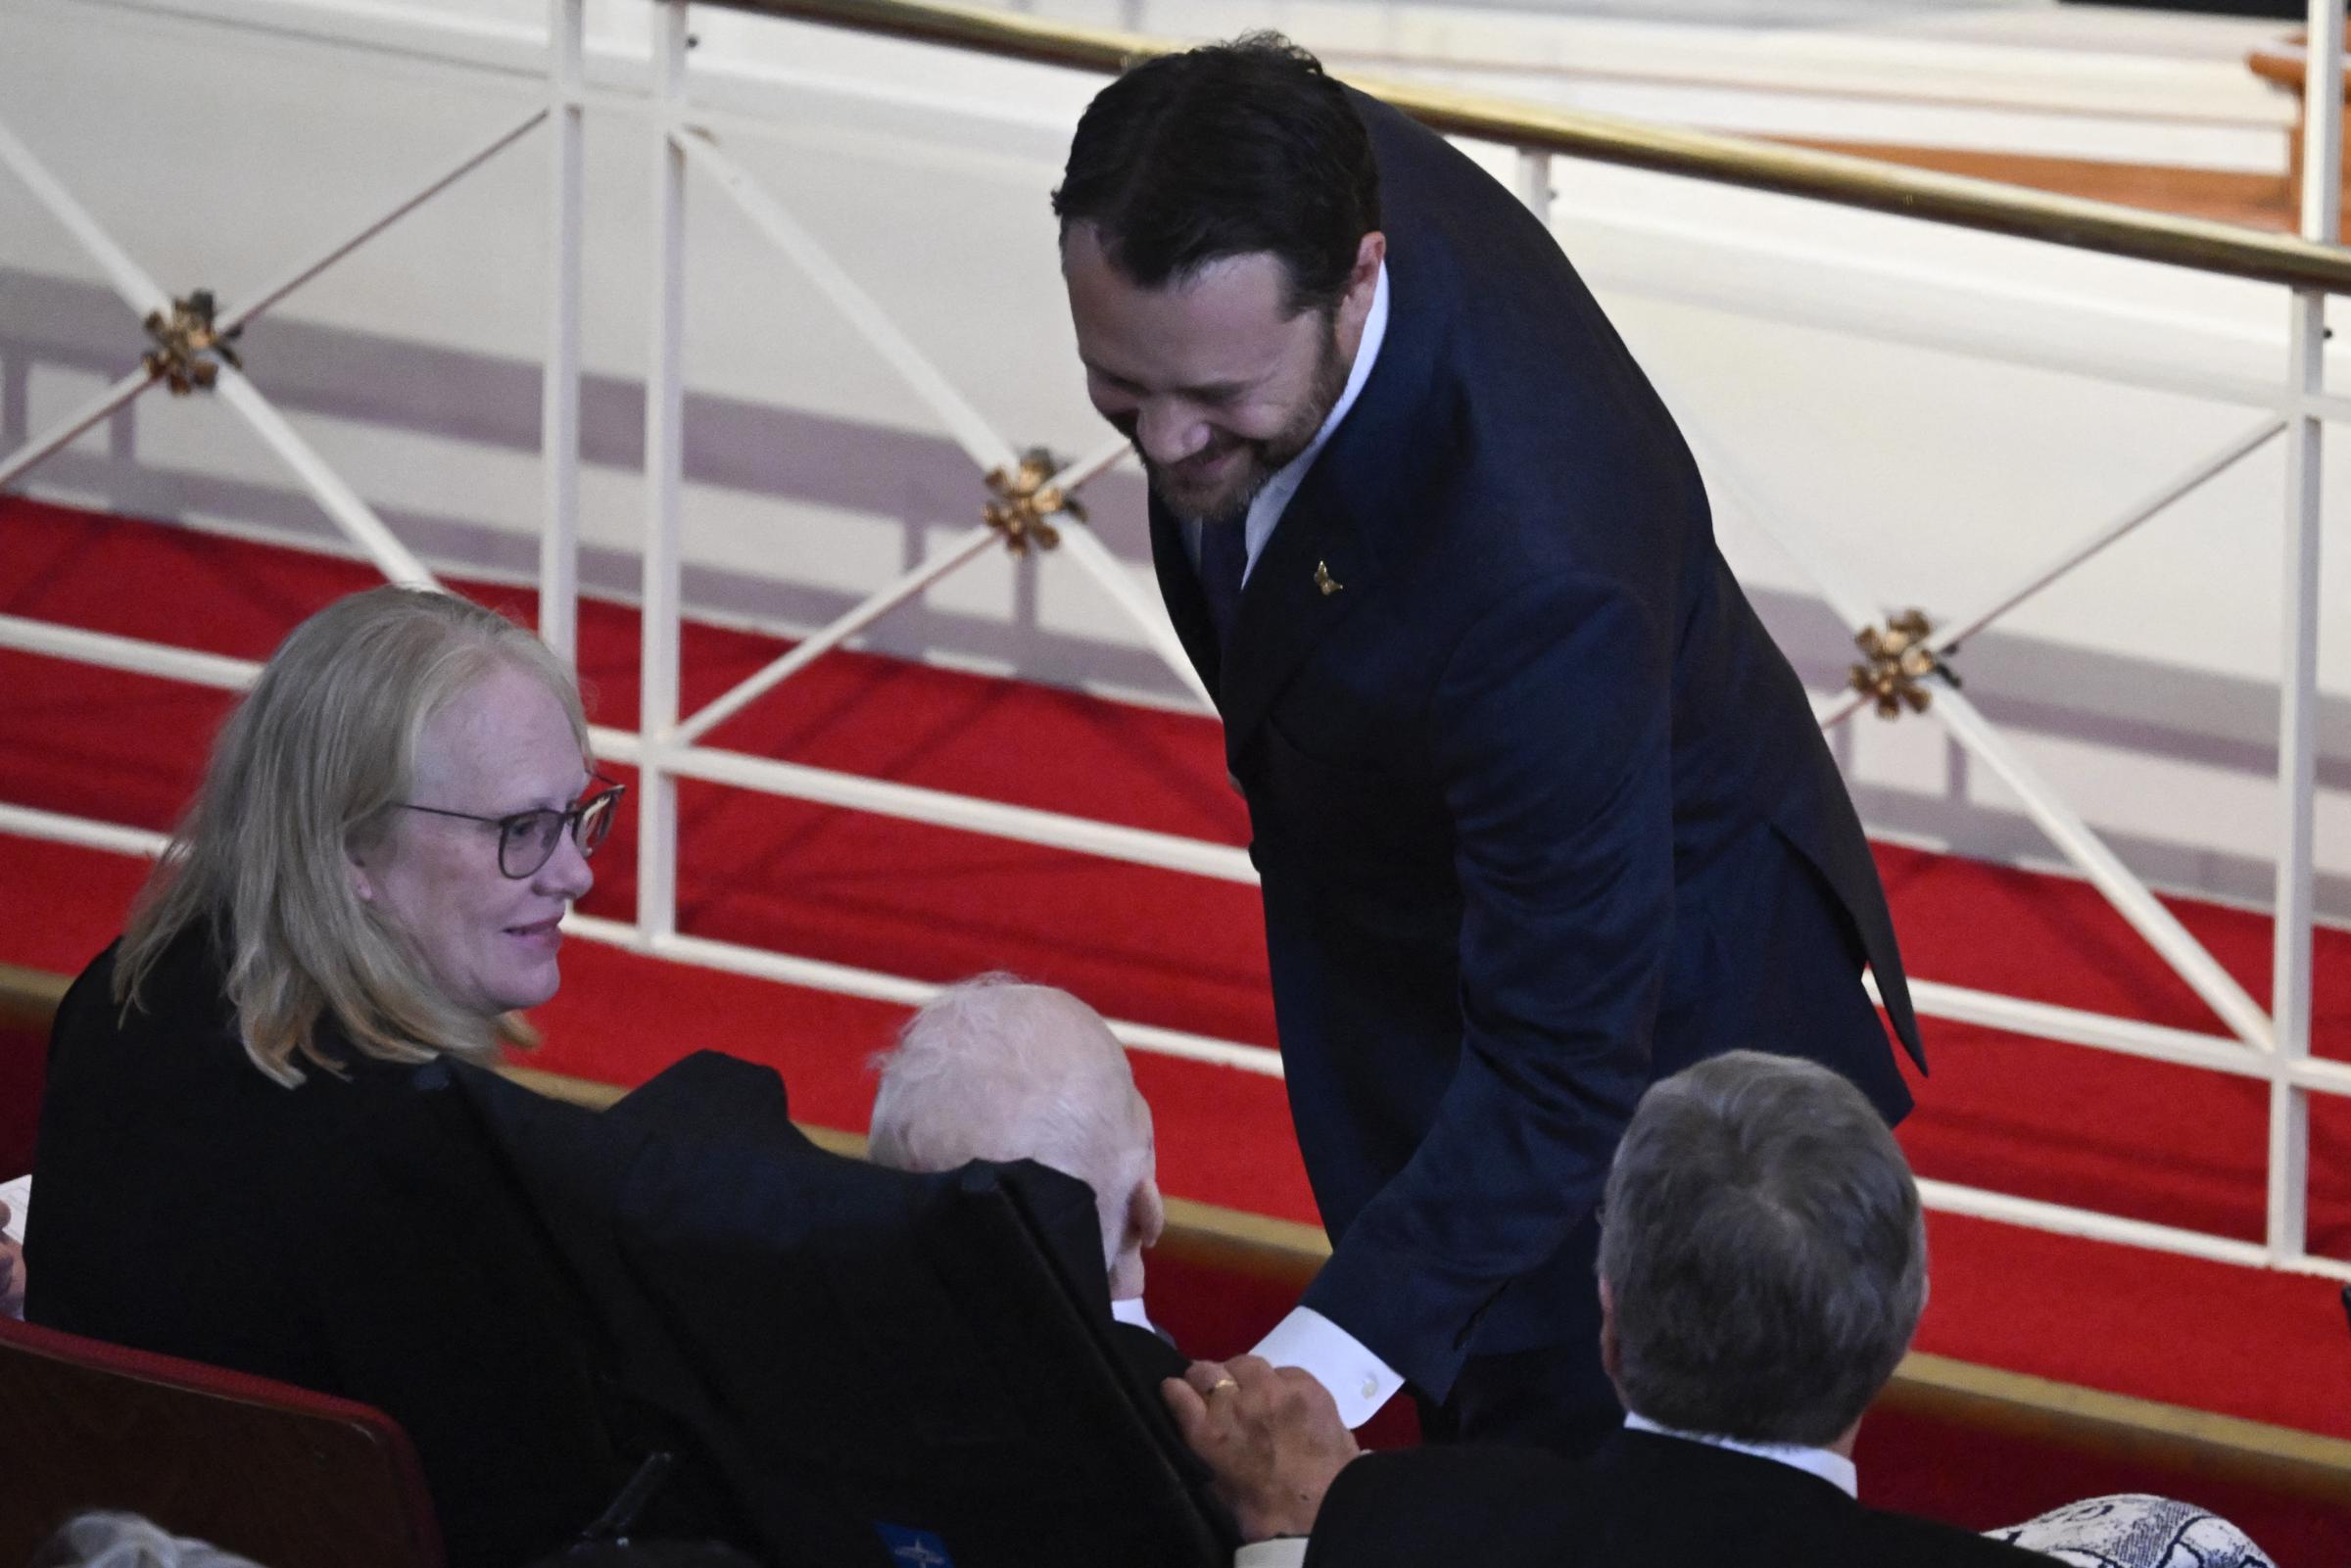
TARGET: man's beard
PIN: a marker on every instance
(1227, 500)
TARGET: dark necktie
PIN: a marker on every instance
(1224, 559)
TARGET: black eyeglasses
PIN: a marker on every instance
(527, 839)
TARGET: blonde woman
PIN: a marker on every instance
(249, 1152)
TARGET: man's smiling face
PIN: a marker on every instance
(1214, 377)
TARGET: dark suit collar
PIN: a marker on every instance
(1631, 1457)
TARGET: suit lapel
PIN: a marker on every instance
(1179, 590)
(1355, 515)
(1285, 606)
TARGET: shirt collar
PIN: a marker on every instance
(1833, 1468)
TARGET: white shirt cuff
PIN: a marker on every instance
(1284, 1552)
(1359, 1381)
(1129, 1311)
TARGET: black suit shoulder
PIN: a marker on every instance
(1645, 1501)
(354, 1234)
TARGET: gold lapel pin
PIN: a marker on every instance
(1328, 584)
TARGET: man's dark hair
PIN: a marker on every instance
(1225, 150)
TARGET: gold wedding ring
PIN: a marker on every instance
(1223, 1383)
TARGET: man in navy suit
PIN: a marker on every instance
(1542, 815)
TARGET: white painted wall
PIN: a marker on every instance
(1832, 366)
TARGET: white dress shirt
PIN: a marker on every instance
(1265, 508)
(1833, 1467)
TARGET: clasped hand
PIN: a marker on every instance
(1271, 1435)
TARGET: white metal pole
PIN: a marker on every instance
(825, 640)
(2298, 675)
(354, 516)
(859, 309)
(294, 277)
(1534, 182)
(2127, 893)
(130, 280)
(89, 416)
(664, 480)
(560, 387)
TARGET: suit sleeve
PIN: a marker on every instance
(1552, 730)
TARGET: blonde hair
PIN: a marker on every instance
(307, 767)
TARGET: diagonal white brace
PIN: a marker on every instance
(971, 431)
(130, 281)
(74, 426)
(341, 503)
(2126, 892)
(1142, 609)
(1947, 638)
(1145, 610)
(815, 644)
(1958, 630)
(296, 276)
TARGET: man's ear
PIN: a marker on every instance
(1146, 1215)
(1362, 281)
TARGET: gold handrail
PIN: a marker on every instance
(2106, 228)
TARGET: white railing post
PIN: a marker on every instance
(560, 391)
(1534, 182)
(664, 480)
(2298, 671)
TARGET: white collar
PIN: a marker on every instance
(1833, 1468)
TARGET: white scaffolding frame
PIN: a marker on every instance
(2271, 1046)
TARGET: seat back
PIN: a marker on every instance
(913, 1371)
(286, 1477)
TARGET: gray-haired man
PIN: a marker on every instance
(1762, 1268)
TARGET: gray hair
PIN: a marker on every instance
(307, 767)
(995, 1068)
(100, 1539)
(1765, 1251)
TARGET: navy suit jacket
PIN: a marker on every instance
(1541, 813)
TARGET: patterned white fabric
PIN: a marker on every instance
(2134, 1531)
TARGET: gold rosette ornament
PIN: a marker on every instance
(1024, 503)
(189, 349)
(1900, 661)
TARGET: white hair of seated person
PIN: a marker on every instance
(126, 1540)
(995, 1069)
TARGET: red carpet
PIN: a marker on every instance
(2042, 1120)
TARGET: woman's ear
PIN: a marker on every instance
(355, 863)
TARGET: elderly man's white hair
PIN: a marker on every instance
(995, 1069)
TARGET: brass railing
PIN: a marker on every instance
(2106, 228)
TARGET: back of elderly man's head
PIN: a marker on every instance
(1763, 1252)
(997, 1069)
